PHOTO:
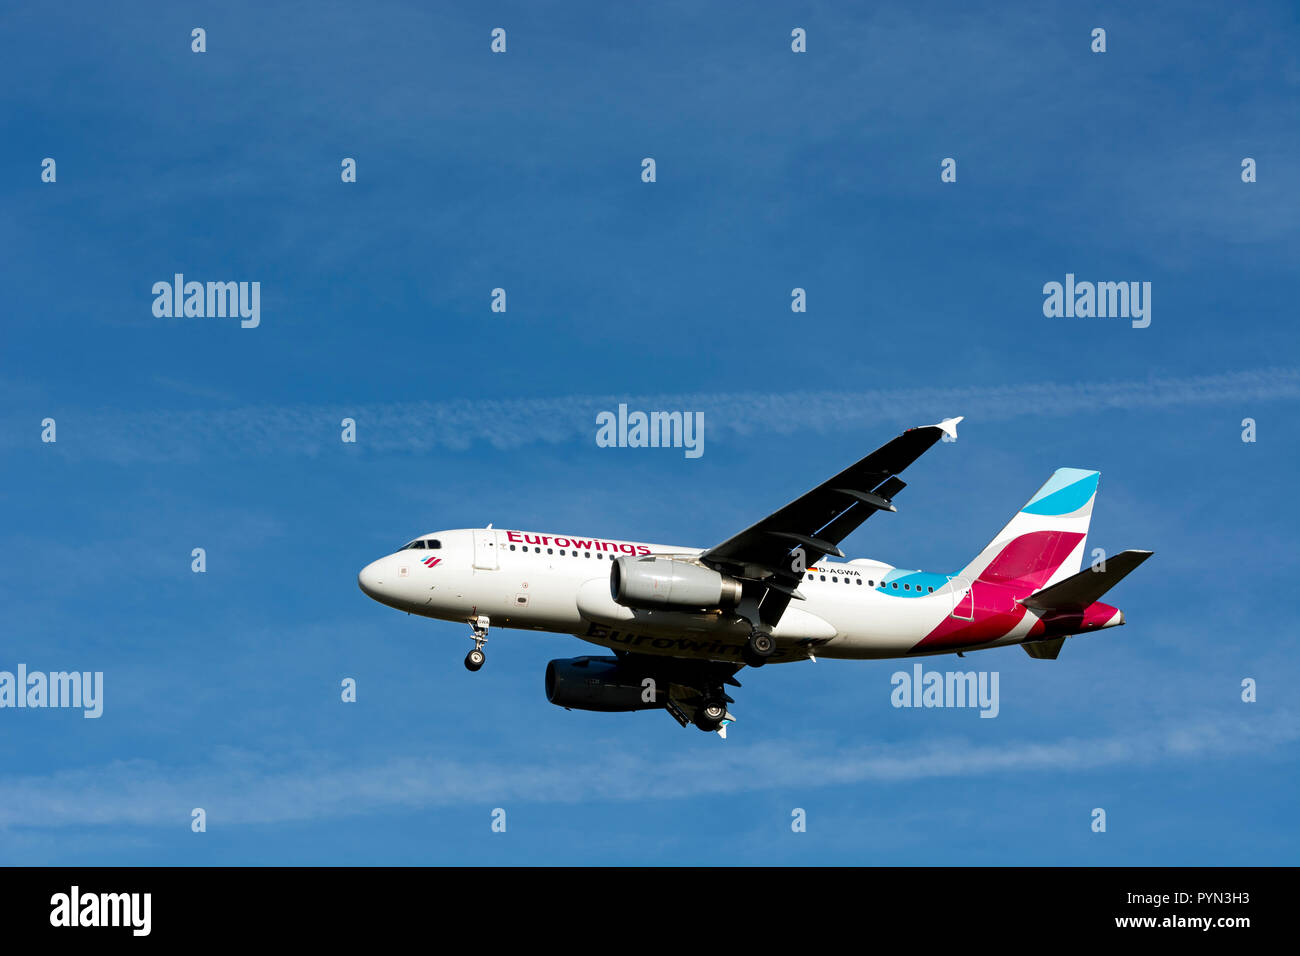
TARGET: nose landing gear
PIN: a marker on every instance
(475, 658)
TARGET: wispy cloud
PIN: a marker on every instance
(419, 427)
(241, 787)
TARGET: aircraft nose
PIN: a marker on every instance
(370, 580)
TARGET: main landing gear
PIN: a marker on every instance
(711, 712)
(761, 644)
(758, 648)
(475, 658)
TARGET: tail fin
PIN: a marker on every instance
(1044, 542)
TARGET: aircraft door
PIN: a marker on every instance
(485, 550)
(963, 598)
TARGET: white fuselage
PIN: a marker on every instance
(560, 583)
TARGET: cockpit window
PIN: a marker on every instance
(421, 544)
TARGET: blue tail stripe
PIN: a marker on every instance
(1068, 499)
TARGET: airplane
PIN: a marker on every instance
(682, 621)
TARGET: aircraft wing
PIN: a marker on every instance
(773, 553)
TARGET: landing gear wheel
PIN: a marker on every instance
(710, 715)
(758, 648)
(479, 625)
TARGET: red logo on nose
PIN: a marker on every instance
(431, 561)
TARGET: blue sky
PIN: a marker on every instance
(522, 171)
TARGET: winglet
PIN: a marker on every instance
(949, 426)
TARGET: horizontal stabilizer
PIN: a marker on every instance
(1082, 589)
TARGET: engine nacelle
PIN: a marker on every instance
(653, 583)
(597, 683)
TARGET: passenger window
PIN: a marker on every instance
(561, 552)
(550, 550)
(931, 590)
(586, 554)
(859, 580)
(834, 579)
(894, 585)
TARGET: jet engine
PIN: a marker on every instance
(597, 683)
(653, 583)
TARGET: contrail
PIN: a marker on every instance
(418, 427)
(240, 787)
